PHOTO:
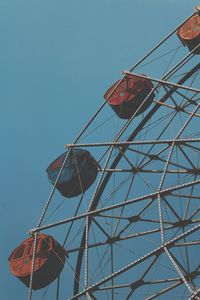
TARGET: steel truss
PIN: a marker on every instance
(139, 232)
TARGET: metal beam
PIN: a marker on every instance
(126, 143)
(164, 82)
(98, 211)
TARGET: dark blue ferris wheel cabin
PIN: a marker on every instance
(78, 174)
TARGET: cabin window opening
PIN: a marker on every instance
(196, 20)
(29, 248)
(196, 24)
(19, 252)
(45, 245)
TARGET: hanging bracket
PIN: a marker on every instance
(197, 7)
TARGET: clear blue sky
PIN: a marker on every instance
(57, 58)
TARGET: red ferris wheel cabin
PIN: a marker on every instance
(129, 95)
(49, 261)
(189, 33)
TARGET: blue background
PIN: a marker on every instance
(57, 58)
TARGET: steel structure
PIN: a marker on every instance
(135, 233)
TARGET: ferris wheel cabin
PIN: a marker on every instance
(189, 33)
(78, 174)
(49, 261)
(125, 97)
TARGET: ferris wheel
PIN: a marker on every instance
(122, 220)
